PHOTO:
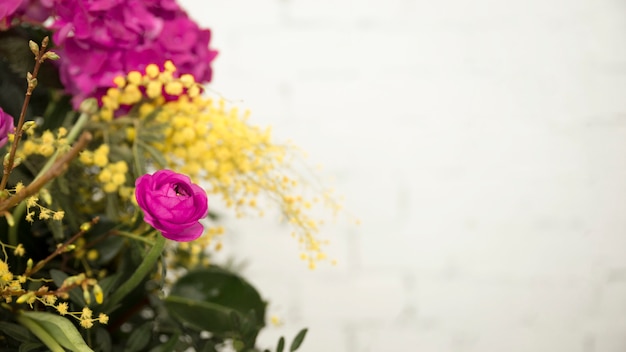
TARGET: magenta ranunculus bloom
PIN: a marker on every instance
(172, 204)
(6, 127)
(99, 40)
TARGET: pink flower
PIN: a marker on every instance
(8, 8)
(6, 127)
(102, 39)
(172, 204)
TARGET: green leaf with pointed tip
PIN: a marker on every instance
(169, 346)
(297, 341)
(17, 332)
(103, 340)
(30, 346)
(218, 301)
(281, 344)
(61, 329)
(140, 338)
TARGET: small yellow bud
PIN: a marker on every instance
(134, 77)
(92, 255)
(87, 296)
(9, 218)
(98, 294)
(62, 308)
(24, 298)
(28, 125)
(152, 70)
(100, 159)
(86, 226)
(169, 66)
(19, 250)
(45, 196)
(105, 176)
(119, 81)
(131, 133)
(174, 88)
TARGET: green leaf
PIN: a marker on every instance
(218, 301)
(103, 340)
(29, 346)
(169, 346)
(61, 329)
(40, 332)
(158, 157)
(137, 277)
(140, 338)
(297, 341)
(16, 331)
(281, 344)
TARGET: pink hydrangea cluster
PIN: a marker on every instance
(99, 40)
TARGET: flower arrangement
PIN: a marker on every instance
(113, 151)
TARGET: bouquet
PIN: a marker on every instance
(113, 150)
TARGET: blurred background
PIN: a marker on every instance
(481, 143)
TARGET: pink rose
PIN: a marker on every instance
(172, 204)
(6, 127)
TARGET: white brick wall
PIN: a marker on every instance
(482, 143)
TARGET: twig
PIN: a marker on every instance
(32, 83)
(59, 249)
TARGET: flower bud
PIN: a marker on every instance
(86, 226)
(24, 298)
(98, 294)
(45, 196)
(9, 218)
(32, 83)
(51, 55)
(89, 106)
(34, 48)
(28, 125)
(87, 296)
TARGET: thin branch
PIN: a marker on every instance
(59, 249)
(59, 166)
(32, 83)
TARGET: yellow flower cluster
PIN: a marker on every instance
(6, 276)
(34, 202)
(11, 286)
(112, 175)
(44, 145)
(215, 145)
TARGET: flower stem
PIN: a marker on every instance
(59, 250)
(144, 268)
(134, 237)
(32, 83)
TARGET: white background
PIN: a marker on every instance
(482, 144)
